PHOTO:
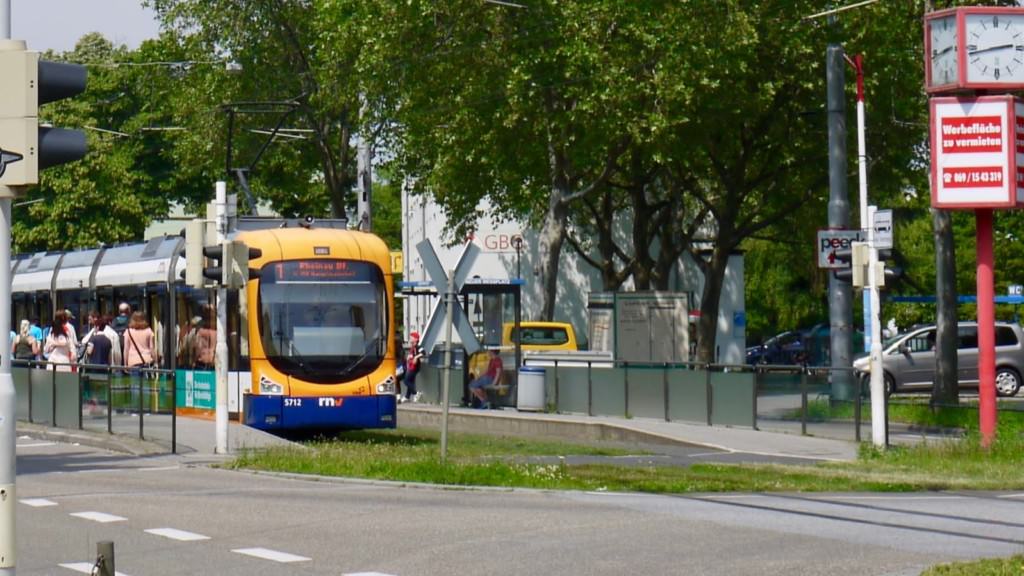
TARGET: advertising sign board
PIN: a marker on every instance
(831, 240)
(977, 145)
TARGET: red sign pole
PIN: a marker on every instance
(986, 328)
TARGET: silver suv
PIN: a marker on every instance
(909, 358)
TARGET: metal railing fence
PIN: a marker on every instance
(795, 399)
(96, 397)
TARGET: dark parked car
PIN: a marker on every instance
(785, 348)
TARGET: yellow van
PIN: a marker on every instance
(541, 336)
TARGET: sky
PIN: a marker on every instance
(58, 24)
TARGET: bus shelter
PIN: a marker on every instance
(493, 308)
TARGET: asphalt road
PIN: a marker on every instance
(172, 515)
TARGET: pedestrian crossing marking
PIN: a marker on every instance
(175, 534)
(267, 554)
(37, 502)
(101, 517)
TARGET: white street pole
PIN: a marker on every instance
(872, 322)
(862, 172)
(449, 299)
(8, 402)
(222, 325)
(8, 411)
(878, 398)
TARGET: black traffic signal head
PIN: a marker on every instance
(26, 147)
(214, 270)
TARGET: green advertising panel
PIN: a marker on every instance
(198, 389)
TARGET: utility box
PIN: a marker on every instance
(641, 326)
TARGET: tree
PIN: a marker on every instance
(502, 103)
(305, 53)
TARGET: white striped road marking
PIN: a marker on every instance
(37, 502)
(84, 568)
(36, 445)
(175, 534)
(274, 555)
(101, 517)
(159, 469)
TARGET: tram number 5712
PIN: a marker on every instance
(293, 402)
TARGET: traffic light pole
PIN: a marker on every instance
(222, 325)
(8, 470)
(878, 398)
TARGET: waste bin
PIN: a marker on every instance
(531, 389)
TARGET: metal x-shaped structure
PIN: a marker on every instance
(439, 277)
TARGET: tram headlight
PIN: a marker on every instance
(387, 386)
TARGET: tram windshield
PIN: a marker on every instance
(323, 320)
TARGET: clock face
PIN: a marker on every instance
(994, 48)
(942, 32)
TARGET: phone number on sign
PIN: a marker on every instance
(987, 176)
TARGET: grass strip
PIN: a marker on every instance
(413, 456)
(993, 567)
(911, 411)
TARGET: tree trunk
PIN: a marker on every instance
(707, 326)
(945, 390)
(552, 236)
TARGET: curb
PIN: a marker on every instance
(113, 442)
(580, 431)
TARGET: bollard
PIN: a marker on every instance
(803, 402)
(856, 411)
(104, 559)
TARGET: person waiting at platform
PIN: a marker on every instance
(59, 348)
(25, 346)
(492, 377)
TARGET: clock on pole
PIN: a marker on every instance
(974, 48)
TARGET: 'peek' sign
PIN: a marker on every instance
(977, 152)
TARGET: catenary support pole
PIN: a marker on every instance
(839, 292)
(986, 328)
(221, 363)
(364, 174)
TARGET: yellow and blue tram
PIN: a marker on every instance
(311, 337)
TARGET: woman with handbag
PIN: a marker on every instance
(139, 353)
(139, 348)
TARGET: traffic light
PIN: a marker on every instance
(229, 263)
(214, 268)
(193, 253)
(25, 147)
(240, 254)
(858, 258)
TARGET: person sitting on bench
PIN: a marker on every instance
(492, 378)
